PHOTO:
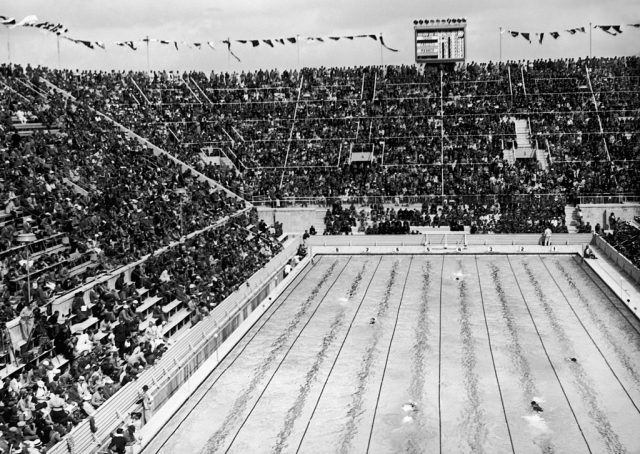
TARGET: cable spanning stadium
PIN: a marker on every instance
(414, 258)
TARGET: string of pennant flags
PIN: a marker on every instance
(61, 31)
(612, 30)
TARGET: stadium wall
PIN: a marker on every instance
(620, 260)
(598, 213)
(295, 219)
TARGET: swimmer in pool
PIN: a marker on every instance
(536, 407)
(410, 407)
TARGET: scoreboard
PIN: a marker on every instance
(440, 40)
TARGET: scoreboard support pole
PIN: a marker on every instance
(441, 137)
(500, 38)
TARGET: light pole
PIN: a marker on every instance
(27, 238)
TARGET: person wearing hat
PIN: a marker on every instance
(32, 446)
(98, 399)
(42, 393)
(83, 388)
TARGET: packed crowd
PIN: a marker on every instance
(107, 199)
(41, 403)
(90, 200)
(500, 215)
(291, 134)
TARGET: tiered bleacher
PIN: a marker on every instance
(106, 251)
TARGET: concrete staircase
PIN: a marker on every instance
(522, 139)
(509, 156)
(571, 218)
(541, 156)
(525, 148)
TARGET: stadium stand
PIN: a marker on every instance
(128, 247)
(120, 244)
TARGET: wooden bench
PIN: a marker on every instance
(169, 308)
(147, 304)
(175, 322)
(82, 326)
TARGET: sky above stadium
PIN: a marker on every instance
(204, 20)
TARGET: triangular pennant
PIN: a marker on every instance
(100, 44)
(385, 46)
(228, 43)
(268, 41)
(373, 37)
(606, 28)
(197, 45)
(7, 20)
(540, 37)
(335, 38)
(175, 43)
(554, 35)
(634, 25)
(320, 39)
(89, 44)
(571, 31)
(291, 40)
(162, 41)
(255, 42)
(514, 34)
(280, 40)
(526, 36)
(361, 36)
(582, 30)
(349, 37)
(617, 28)
(210, 44)
(242, 41)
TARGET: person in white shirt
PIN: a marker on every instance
(547, 236)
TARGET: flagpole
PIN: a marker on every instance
(58, 46)
(229, 53)
(298, 45)
(9, 43)
(148, 53)
(381, 56)
(500, 32)
(590, 28)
